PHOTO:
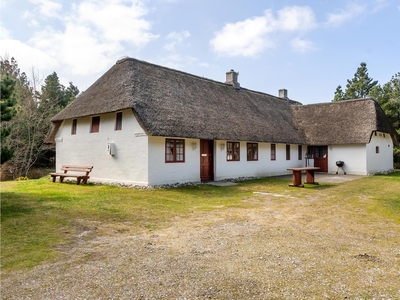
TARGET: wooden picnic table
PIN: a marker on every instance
(297, 176)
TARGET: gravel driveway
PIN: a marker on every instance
(280, 248)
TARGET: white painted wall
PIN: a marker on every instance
(161, 172)
(362, 159)
(129, 164)
(263, 167)
(354, 157)
(382, 161)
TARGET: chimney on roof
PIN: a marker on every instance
(232, 78)
(283, 94)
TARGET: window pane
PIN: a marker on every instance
(179, 150)
(95, 124)
(252, 151)
(169, 150)
(174, 150)
(287, 152)
(273, 152)
(118, 121)
(74, 123)
(233, 151)
(300, 152)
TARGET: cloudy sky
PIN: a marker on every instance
(308, 47)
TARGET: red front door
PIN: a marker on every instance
(320, 155)
(206, 160)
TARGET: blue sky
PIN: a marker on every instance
(308, 47)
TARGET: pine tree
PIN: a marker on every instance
(8, 101)
(361, 84)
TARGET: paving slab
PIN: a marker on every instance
(331, 178)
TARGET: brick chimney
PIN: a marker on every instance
(232, 78)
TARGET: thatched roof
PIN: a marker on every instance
(343, 122)
(172, 103)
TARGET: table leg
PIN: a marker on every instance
(296, 179)
(310, 178)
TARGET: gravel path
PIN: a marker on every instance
(281, 248)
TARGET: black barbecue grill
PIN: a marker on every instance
(340, 165)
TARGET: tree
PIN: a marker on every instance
(388, 97)
(359, 87)
(34, 109)
(8, 101)
(339, 94)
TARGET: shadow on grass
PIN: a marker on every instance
(13, 206)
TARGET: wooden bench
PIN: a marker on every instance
(77, 173)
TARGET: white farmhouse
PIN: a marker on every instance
(144, 124)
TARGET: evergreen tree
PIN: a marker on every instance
(339, 94)
(8, 101)
(31, 124)
(53, 93)
(360, 86)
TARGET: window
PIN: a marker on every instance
(377, 149)
(232, 151)
(118, 121)
(73, 128)
(287, 152)
(95, 124)
(273, 152)
(174, 150)
(300, 152)
(252, 151)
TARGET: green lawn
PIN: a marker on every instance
(38, 215)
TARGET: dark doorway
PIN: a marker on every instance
(320, 155)
(206, 160)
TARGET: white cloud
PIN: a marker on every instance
(176, 38)
(27, 56)
(245, 38)
(77, 49)
(253, 35)
(296, 18)
(90, 39)
(47, 8)
(127, 22)
(380, 4)
(352, 11)
(4, 34)
(300, 45)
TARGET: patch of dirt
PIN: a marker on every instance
(281, 248)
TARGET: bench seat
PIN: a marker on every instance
(81, 173)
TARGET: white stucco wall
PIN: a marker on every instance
(129, 164)
(262, 168)
(362, 159)
(161, 172)
(354, 157)
(382, 161)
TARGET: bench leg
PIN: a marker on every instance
(61, 179)
(78, 180)
(54, 178)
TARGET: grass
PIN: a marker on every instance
(37, 216)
